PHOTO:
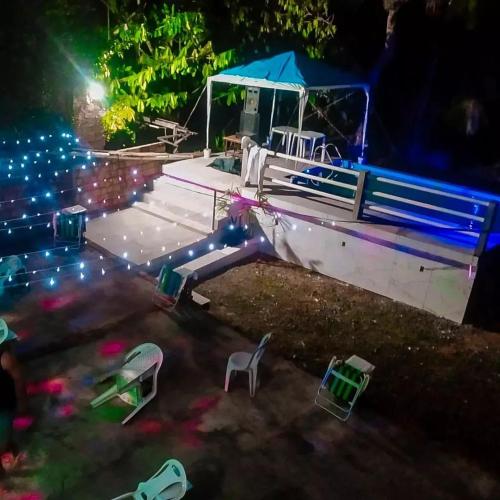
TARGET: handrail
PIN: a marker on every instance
(428, 206)
(203, 186)
(372, 191)
(352, 172)
(313, 177)
(349, 201)
(403, 215)
(433, 191)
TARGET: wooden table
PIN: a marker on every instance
(235, 141)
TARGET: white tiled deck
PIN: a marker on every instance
(200, 177)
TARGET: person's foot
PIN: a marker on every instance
(11, 462)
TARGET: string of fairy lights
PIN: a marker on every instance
(46, 159)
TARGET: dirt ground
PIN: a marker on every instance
(431, 374)
(232, 446)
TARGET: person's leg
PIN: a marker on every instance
(4, 439)
(6, 444)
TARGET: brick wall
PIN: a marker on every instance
(111, 185)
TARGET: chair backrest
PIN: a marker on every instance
(345, 382)
(259, 352)
(141, 359)
(169, 483)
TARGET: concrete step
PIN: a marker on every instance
(216, 261)
(186, 219)
(183, 201)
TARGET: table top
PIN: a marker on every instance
(284, 129)
(233, 138)
(310, 134)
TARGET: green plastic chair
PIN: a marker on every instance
(140, 367)
(169, 483)
(343, 383)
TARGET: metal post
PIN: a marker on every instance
(485, 229)
(359, 200)
(213, 210)
(365, 124)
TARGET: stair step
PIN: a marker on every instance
(138, 236)
(165, 214)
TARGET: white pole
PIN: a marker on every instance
(272, 118)
(304, 96)
(365, 124)
(209, 109)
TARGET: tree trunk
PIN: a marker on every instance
(391, 24)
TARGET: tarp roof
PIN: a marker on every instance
(289, 71)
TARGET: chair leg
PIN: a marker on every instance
(228, 378)
(105, 396)
(253, 382)
(126, 495)
(136, 410)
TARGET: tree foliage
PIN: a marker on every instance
(160, 54)
(155, 62)
(309, 22)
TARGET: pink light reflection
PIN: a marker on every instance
(112, 348)
(23, 423)
(65, 411)
(53, 386)
(206, 403)
(152, 426)
(50, 304)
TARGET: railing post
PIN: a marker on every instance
(485, 229)
(261, 173)
(359, 200)
(214, 210)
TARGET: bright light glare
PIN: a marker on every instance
(96, 91)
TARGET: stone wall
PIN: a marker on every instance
(87, 115)
(115, 183)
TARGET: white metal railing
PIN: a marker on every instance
(445, 209)
(271, 166)
(432, 191)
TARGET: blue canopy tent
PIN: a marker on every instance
(291, 72)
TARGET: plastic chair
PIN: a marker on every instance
(11, 270)
(141, 364)
(169, 483)
(247, 362)
(342, 385)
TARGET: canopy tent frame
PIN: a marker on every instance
(301, 89)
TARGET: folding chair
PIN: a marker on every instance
(169, 483)
(170, 285)
(140, 369)
(69, 225)
(343, 383)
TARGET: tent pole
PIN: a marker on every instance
(272, 118)
(209, 109)
(303, 98)
(365, 123)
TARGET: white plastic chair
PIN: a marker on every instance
(247, 362)
(169, 483)
(140, 364)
